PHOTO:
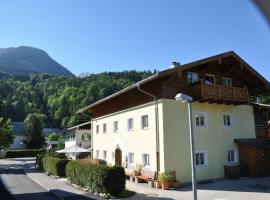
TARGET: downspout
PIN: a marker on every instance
(156, 123)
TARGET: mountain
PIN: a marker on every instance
(27, 60)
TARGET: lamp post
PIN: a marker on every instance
(187, 99)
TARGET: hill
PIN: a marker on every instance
(27, 60)
(59, 97)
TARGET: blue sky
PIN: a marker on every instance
(95, 36)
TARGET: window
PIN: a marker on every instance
(130, 158)
(201, 159)
(104, 128)
(226, 81)
(144, 121)
(231, 156)
(227, 120)
(104, 155)
(210, 79)
(201, 120)
(192, 77)
(97, 129)
(145, 160)
(130, 124)
(97, 153)
(115, 126)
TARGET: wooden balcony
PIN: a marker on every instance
(218, 93)
(262, 132)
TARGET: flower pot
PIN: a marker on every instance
(157, 184)
(165, 186)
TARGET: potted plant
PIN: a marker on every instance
(136, 173)
(165, 179)
(157, 184)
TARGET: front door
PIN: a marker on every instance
(118, 157)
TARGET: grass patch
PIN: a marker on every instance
(126, 194)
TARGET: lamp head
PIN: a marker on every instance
(183, 98)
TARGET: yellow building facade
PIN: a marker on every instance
(215, 128)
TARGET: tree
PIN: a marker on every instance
(61, 142)
(35, 123)
(53, 137)
(6, 135)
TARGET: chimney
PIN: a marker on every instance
(175, 64)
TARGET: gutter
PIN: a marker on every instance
(156, 123)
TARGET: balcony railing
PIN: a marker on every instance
(218, 93)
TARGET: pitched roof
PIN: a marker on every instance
(19, 128)
(176, 70)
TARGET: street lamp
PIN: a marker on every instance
(187, 99)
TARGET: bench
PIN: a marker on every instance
(129, 173)
(146, 175)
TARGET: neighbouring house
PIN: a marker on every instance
(50, 145)
(144, 125)
(79, 135)
(47, 131)
(21, 135)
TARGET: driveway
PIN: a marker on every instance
(14, 184)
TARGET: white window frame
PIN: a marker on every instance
(205, 165)
(211, 75)
(227, 80)
(234, 154)
(205, 115)
(142, 122)
(192, 80)
(144, 161)
(104, 155)
(104, 128)
(231, 120)
(128, 124)
(97, 129)
(115, 126)
(97, 153)
(131, 158)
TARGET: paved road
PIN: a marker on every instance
(13, 179)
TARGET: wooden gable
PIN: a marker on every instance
(246, 82)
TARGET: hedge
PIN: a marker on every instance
(97, 178)
(23, 153)
(39, 161)
(54, 166)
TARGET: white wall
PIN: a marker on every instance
(138, 141)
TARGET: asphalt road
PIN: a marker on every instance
(15, 185)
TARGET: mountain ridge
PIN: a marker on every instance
(27, 60)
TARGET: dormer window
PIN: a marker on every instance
(192, 77)
(226, 81)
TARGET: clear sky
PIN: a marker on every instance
(95, 35)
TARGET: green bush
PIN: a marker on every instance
(55, 166)
(23, 153)
(97, 178)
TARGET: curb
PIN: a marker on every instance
(51, 191)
